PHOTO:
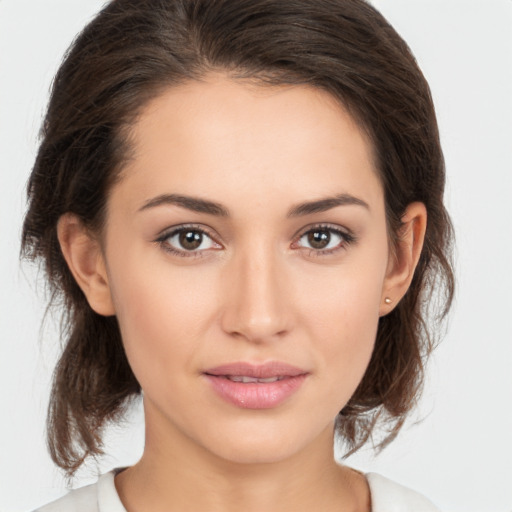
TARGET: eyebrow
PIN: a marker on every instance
(210, 207)
(323, 205)
(190, 203)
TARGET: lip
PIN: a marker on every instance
(256, 395)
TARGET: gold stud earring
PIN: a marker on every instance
(387, 300)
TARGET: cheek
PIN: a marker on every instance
(343, 321)
(161, 317)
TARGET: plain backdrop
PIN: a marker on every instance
(457, 448)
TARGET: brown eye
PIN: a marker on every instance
(319, 239)
(324, 240)
(190, 240)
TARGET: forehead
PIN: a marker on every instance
(204, 135)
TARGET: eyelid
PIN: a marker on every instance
(346, 234)
(171, 231)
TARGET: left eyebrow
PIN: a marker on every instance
(322, 205)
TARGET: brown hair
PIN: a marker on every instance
(135, 48)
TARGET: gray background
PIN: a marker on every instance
(457, 448)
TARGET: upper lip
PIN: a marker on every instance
(259, 371)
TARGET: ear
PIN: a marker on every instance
(82, 252)
(404, 258)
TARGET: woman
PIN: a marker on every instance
(241, 205)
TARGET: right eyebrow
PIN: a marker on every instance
(194, 204)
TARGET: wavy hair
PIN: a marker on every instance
(129, 53)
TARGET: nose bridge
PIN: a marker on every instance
(256, 308)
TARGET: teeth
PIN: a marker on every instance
(245, 379)
(269, 379)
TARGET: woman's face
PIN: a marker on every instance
(246, 253)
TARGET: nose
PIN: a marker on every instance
(257, 302)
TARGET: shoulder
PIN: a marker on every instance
(388, 496)
(84, 499)
(98, 497)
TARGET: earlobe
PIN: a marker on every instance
(405, 256)
(85, 260)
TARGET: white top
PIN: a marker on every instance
(387, 496)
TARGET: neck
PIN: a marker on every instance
(175, 474)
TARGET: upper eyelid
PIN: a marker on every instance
(170, 231)
(347, 236)
(328, 227)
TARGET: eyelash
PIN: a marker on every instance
(347, 238)
(163, 240)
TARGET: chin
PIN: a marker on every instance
(267, 446)
(255, 455)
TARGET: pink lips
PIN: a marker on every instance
(256, 386)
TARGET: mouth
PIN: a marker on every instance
(250, 386)
(246, 379)
(261, 372)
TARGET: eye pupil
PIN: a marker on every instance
(190, 240)
(319, 239)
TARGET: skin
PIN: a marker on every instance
(256, 290)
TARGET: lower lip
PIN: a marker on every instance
(256, 395)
